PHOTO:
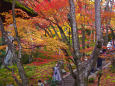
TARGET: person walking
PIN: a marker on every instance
(56, 74)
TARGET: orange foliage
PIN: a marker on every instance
(86, 49)
(30, 36)
(2, 47)
(0, 34)
(20, 13)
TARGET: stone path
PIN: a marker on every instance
(68, 80)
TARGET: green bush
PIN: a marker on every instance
(5, 77)
(49, 80)
(112, 69)
(91, 80)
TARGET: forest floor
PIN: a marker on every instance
(44, 71)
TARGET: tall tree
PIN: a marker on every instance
(83, 69)
(19, 65)
(16, 58)
(106, 36)
(10, 46)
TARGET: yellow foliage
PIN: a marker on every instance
(31, 36)
(113, 21)
(53, 44)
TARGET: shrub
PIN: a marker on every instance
(112, 69)
(91, 80)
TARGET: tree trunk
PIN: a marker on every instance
(83, 39)
(22, 73)
(75, 41)
(83, 81)
(19, 65)
(98, 20)
(84, 68)
(30, 57)
(92, 62)
(99, 79)
(106, 36)
(108, 23)
(94, 36)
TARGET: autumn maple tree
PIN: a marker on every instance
(66, 26)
